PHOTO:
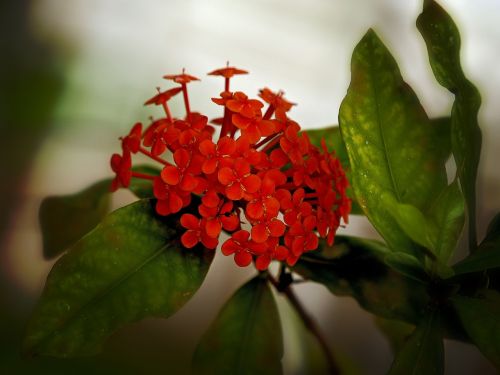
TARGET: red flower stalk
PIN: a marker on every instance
(261, 181)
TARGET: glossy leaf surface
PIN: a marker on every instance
(443, 45)
(481, 320)
(131, 266)
(355, 267)
(423, 352)
(246, 337)
(393, 147)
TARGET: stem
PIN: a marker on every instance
(333, 368)
(167, 111)
(186, 99)
(157, 158)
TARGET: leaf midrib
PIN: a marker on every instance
(250, 320)
(381, 130)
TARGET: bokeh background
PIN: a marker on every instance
(74, 75)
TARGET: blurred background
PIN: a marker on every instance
(74, 75)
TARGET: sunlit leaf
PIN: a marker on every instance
(392, 145)
(65, 219)
(481, 319)
(423, 352)
(131, 266)
(246, 337)
(355, 267)
(443, 45)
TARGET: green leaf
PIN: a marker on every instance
(481, 319)
(443, 45)
(407, 265)
(423, 353)
(392, 145)
(355, 267)
(395, 331)
(305, 354)
(131, 266)
(493, 231)
(334, 142)
(66, 218)
(246, 337)
(140, 187)
(448, 217)
(412, 221)
(487, 255)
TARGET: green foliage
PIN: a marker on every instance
(393, 147)
(443, 45)
(65, 219)
(423, 352)
(395, 331)
(246, 337)
(131, 266)
(355, 267)
(480, 317)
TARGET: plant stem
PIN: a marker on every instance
(309, 322)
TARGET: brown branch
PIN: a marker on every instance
(309, 323)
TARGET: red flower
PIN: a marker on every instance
(242, 248)
(181, 175)
(239, 182)
(121, 165)
(244, 106)
(132, 142)
(227, 72)
(196, 233)
(216, 154)
(290, 192)
(163, 97)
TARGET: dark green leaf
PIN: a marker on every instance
(334, 142)
(395, 331)
(481, 319)
(407, 265)
(131, 266)
(487, 255)
(392, 145)
(493, 231)
(308, 355)
(355, 267)
(246, 337)
(140, 187)
(65, 219)
(443, 45)
(423, 353)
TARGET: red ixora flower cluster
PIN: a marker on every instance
(261, 181)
